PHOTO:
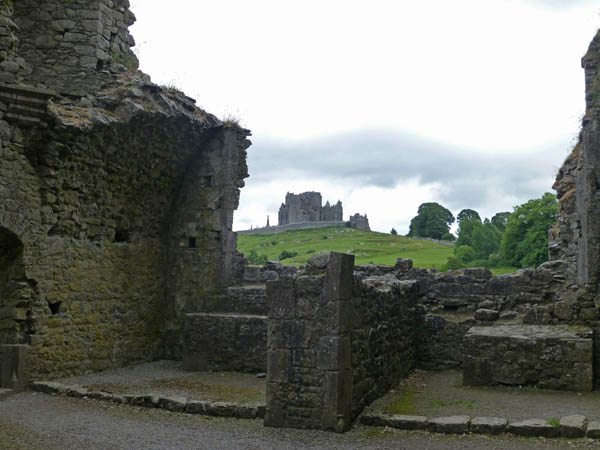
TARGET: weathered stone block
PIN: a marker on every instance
(333, 353)
(488, 425)
(593, 430)
(533, 427)
(553, 357)
(281, 299)
(405, 422)
(339, 276)
(573, 426)
(450, 424)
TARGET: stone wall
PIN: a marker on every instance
(291, 227)
(383, 333)
(68, 44)
(309, 377)
(117, 201)
(334, 344)
(576, 238)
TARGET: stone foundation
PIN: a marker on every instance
(550, 357)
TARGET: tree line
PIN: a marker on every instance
(517, 239)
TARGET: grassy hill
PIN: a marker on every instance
(368, 246)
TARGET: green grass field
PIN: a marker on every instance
(368, 246)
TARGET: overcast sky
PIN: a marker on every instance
(383, 104)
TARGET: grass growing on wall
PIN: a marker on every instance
(367, 246)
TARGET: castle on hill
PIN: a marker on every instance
(306, 210)
(307, 207)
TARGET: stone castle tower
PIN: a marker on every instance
(307, 207)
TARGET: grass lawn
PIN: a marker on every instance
(368, 246)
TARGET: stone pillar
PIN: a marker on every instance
(309, 373)
(13, 367)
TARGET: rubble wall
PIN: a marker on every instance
(117, 195)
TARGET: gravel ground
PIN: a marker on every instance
(168, 378)
(442, 394)
(34, 421)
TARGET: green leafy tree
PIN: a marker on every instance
(394, 232)
(467, 214)
(467, 219)
(525, 238)
(448, 237)
(499, 220)
(485, 240)
(432, 221)
(464, 253)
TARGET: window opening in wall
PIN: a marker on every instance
(55, 308)
(192, 242)
(121, 235)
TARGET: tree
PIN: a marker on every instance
(485, 239)
(467, 214)
(432, 221)
(525, 238)
(499, 220)
(394, 232)
(468, 219)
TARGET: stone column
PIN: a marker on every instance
(309, 373)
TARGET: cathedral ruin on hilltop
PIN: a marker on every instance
(307, 207)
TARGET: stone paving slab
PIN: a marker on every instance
(425, 397)
(174, 404)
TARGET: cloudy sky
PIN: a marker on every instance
(383, 104)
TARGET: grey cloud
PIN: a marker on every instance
(385, 159)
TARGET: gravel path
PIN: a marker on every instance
(35, 421)
(442, 394)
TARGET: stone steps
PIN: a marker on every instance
(25, 105)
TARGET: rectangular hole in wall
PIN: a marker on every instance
(55, 308)
(192, 242)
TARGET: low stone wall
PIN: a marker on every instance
(551, 357)
(293, 226)
(383, 336)
(335, 344)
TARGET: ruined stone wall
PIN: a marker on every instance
(576, 238)
(360, 222)
(68, 44)
(383, 332)
(116, 202)
(335, 344)
(12, 66)
(332, 212)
